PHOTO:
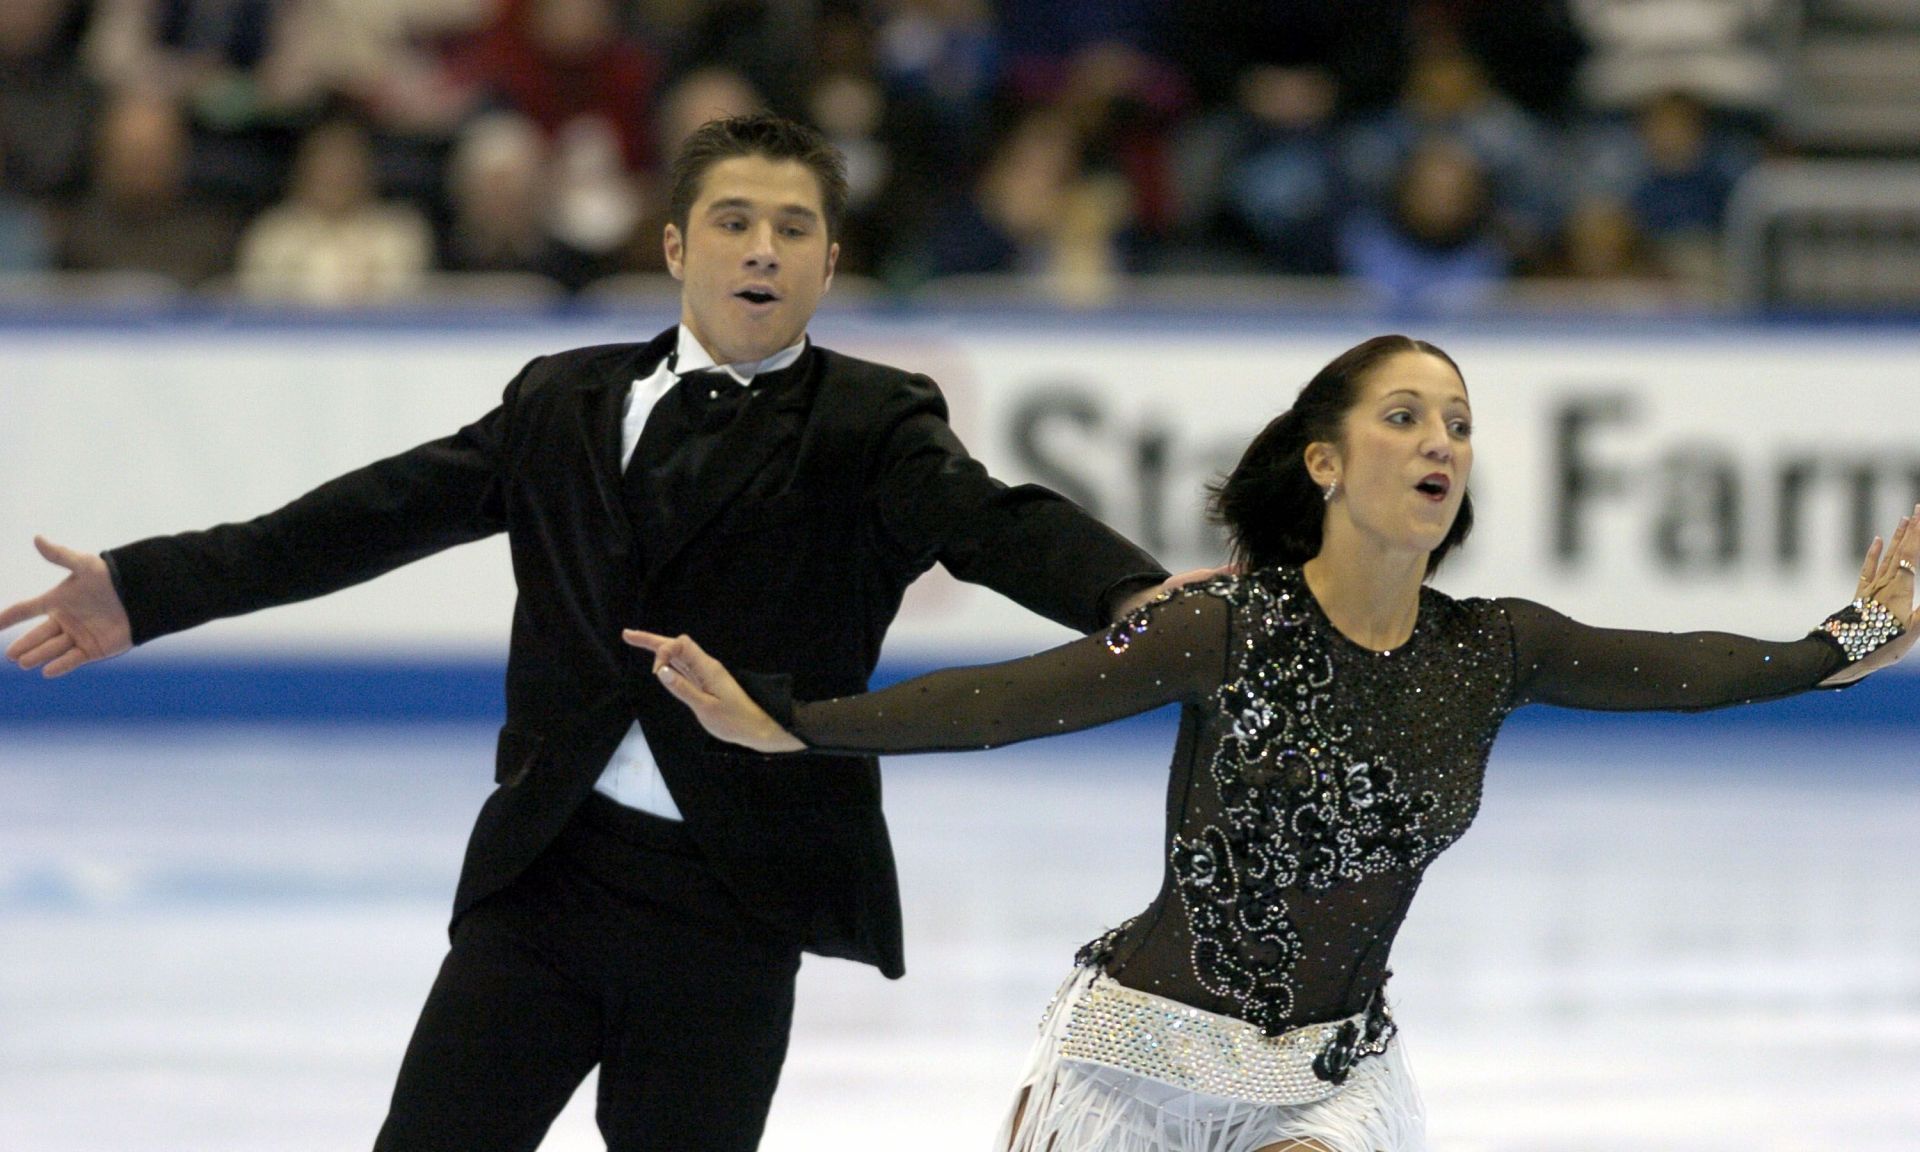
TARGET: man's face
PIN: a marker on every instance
(755, 258)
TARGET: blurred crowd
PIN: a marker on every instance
(344, 151)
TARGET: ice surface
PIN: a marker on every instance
(216, 939)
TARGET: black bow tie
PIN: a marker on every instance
(711, 397)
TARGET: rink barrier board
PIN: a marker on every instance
(1648, 474)
(1673, 474)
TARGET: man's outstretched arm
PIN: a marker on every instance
(85, 620)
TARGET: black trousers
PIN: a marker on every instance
(618, 948)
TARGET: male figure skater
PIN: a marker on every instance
(634, 895)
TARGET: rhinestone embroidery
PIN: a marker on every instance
(1120, 1027)
(1304, 795)
(1120, 636)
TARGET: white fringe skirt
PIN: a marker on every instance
(1066, 1104)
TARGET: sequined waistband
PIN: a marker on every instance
(1118, 1027)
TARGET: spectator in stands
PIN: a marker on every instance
(594, 205)
(895, 149)
(200, 52)
(1363, 45)
(45, 96)
(848, 109)
(497, 188)
(1257, 174)
(1434, 251)
(1683, 90)
(1673, 169)
(25, 245)
(1120, 103)
(701, 95)
(764, 41)
(1284, 187)
(999, 224)
(138, 215)
(384, 59)
(1602, 242)
(212, 58)
(564, 61)
(944, 56)
(568, 66)
(1104, 65)
(1448, 96)
(386, 63)
(332, 241)
(1037, 210)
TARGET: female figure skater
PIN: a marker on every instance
(1337, 719)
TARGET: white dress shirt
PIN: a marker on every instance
(631, 777)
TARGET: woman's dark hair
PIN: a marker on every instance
(1273, 511)
(758, 134)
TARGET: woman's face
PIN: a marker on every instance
(1405, 455)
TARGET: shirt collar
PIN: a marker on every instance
(690, 356)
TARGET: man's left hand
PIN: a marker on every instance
(1147, 596)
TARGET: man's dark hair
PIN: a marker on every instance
(758, 134)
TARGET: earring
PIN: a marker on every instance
(1331, 489)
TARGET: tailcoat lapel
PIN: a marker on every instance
(601, 412)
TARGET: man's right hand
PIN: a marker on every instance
(85, 620)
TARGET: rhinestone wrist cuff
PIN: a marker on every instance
(1861, 627)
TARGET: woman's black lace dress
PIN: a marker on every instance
(1314, 780)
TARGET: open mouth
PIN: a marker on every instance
(756, 295)
(1434, 487)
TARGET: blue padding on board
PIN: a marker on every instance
(367, 690)
(257, 689)
(1888, 700)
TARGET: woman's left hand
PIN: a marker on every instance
(1888, 578)
(716, 699)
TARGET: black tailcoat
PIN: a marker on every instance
(831, 494)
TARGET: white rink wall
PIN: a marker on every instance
(1657, 475)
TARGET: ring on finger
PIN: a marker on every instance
(1906, 564)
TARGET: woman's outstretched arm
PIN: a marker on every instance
(1560, 661)
(1172, 650)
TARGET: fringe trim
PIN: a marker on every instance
(1072, 1106)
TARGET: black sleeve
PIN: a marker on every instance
(1171, 650)
(1560, 661)
(349, 530)
(935, 503)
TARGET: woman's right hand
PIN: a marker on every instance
(705, 686)
(1888, 577)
